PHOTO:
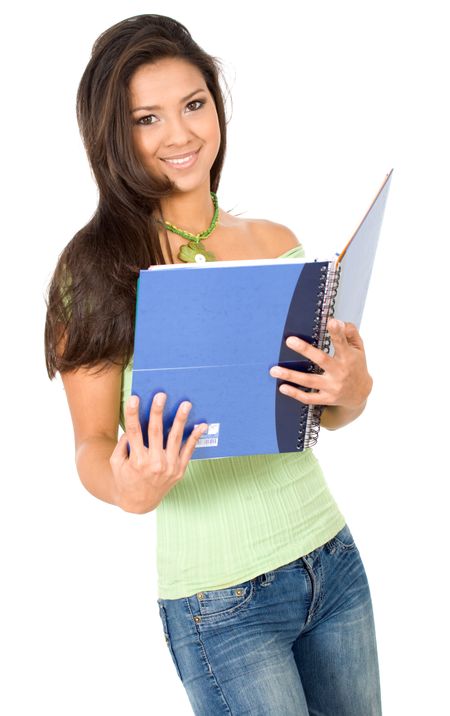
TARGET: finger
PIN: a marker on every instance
(133, 426)
(311, 352)
(336, 329)
(307, 380)
(189, 446)
(176, 431)
(353, 336)
(302, 396)
(120, 452)
(155, 423)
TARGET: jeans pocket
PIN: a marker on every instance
(343, 540)
(220, 603)
(163, 616)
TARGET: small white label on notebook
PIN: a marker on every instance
(210, 438)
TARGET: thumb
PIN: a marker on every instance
(120, 452)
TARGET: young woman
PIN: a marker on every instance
(263, 596)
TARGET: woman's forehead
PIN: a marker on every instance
(165, 80)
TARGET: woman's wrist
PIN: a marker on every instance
(336, 416)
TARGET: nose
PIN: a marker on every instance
(177, 132)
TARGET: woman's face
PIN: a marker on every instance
(174, 115)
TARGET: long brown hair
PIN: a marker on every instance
(92, 293)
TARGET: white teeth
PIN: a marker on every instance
(180, 161)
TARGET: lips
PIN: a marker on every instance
(182, 161)
(180, 156)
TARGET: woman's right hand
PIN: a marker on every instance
(145, 476)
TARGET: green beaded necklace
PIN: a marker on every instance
(194, 251)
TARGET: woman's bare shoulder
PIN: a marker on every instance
(274, 238)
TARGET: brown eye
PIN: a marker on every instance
(143, 120)
(196, 101)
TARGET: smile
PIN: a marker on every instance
(183, 162)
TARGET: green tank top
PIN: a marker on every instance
(231, 519)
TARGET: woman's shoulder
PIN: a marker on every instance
(273, 238)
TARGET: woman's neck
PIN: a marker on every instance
(191, 211)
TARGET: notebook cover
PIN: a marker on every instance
(210, 334)
(357, 259)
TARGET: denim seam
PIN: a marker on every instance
(169, 641)
(336, 543)
(231, 611)
(344, 545)
(312, 586)
(205, 658)
(321, 586)
(316, 591)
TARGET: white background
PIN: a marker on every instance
(327, 97)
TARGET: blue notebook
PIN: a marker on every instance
(210, 332)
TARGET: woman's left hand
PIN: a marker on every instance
(345, 382)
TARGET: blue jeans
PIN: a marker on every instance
(299, 640)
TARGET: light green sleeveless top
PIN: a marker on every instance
(231, 519)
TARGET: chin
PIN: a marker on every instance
(189, 183)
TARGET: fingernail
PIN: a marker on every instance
(186, 406)
(293, 342)
(275, 372)
(133, 401)
(334, 323)
(160, 399)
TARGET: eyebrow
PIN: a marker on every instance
(201, 89)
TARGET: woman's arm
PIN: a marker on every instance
(136, 480)
(94, 403)
(336, 416)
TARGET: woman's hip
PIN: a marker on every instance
(224, 642)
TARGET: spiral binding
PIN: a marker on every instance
(309, 425)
